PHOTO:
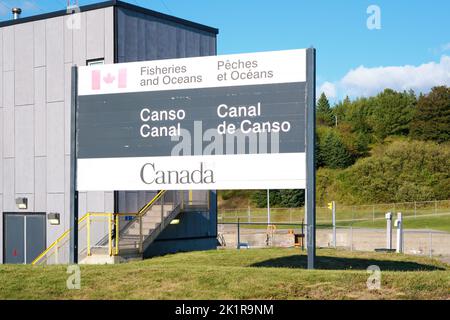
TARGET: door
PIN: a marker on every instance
(14, 238)
(24, 236)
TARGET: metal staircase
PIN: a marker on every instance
(125, 239)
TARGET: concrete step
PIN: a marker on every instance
(136, 231)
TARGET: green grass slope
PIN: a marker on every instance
(233, 274)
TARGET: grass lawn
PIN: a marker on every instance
(441, 223)
(232, 274)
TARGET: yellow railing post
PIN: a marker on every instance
(88, 231)
(182, 199)
(190, 197)
(117, 234)
(140, 234)
(208, 200)
(110, 221)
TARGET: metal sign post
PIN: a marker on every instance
(332, 207)
(310, 156)
(73, 255)
(260, 110)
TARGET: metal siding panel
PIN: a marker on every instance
(24, 149)
(1, 157)
(1, 228)
(163, 39)
(68, 39)
(109, 35)
(181, 43)
(55, 203)
(121, 32)
(192, 44)
(79, 42)
(1, 70)
(140, 34)
(8, 89)
(82, 204)
(55, 146)
(39, 43)
(67, 106)
(55, 59)
(131, 201)
(162, 43)
(9, 203)
(8, 114)
(40, 105)
(8, 48)
(95, 28)
(204, 46)
(151, 39)
(171, 41)
(67, 184)
(109, 201)
(130, 39)
(95, 201)
(122, 201)
(24, 55)
(40, 184)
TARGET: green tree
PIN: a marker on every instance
(391, 113)
(431, 119)
(286, 198)
(324, 114)
(333, 151)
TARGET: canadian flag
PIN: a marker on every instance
(117, 79)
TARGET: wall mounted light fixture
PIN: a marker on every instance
(53, 218)
(22, 203)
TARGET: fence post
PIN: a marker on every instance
(333, 217)
(351, 238)
(248, 214)
(88, 231)
(140, 234)
(415, 209)
(431, 244)
(238, 234)
(373, 213)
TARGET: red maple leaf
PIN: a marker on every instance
(109, 78)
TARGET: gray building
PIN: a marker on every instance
(36, 56)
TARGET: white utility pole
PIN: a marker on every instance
(389, 230)
(268, 207)
(399, 225)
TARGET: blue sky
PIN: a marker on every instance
(351, 59)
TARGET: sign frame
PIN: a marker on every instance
(310, 161)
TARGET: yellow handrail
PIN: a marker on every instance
(39, 257)
(110, 215)
(151, 202)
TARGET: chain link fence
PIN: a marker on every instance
(359, 227)
(344, 214)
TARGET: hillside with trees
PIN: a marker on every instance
(391, 147)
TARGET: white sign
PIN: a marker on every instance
(218, 122)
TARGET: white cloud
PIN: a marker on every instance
(364, 81)
(329, 89)
(445, 47)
